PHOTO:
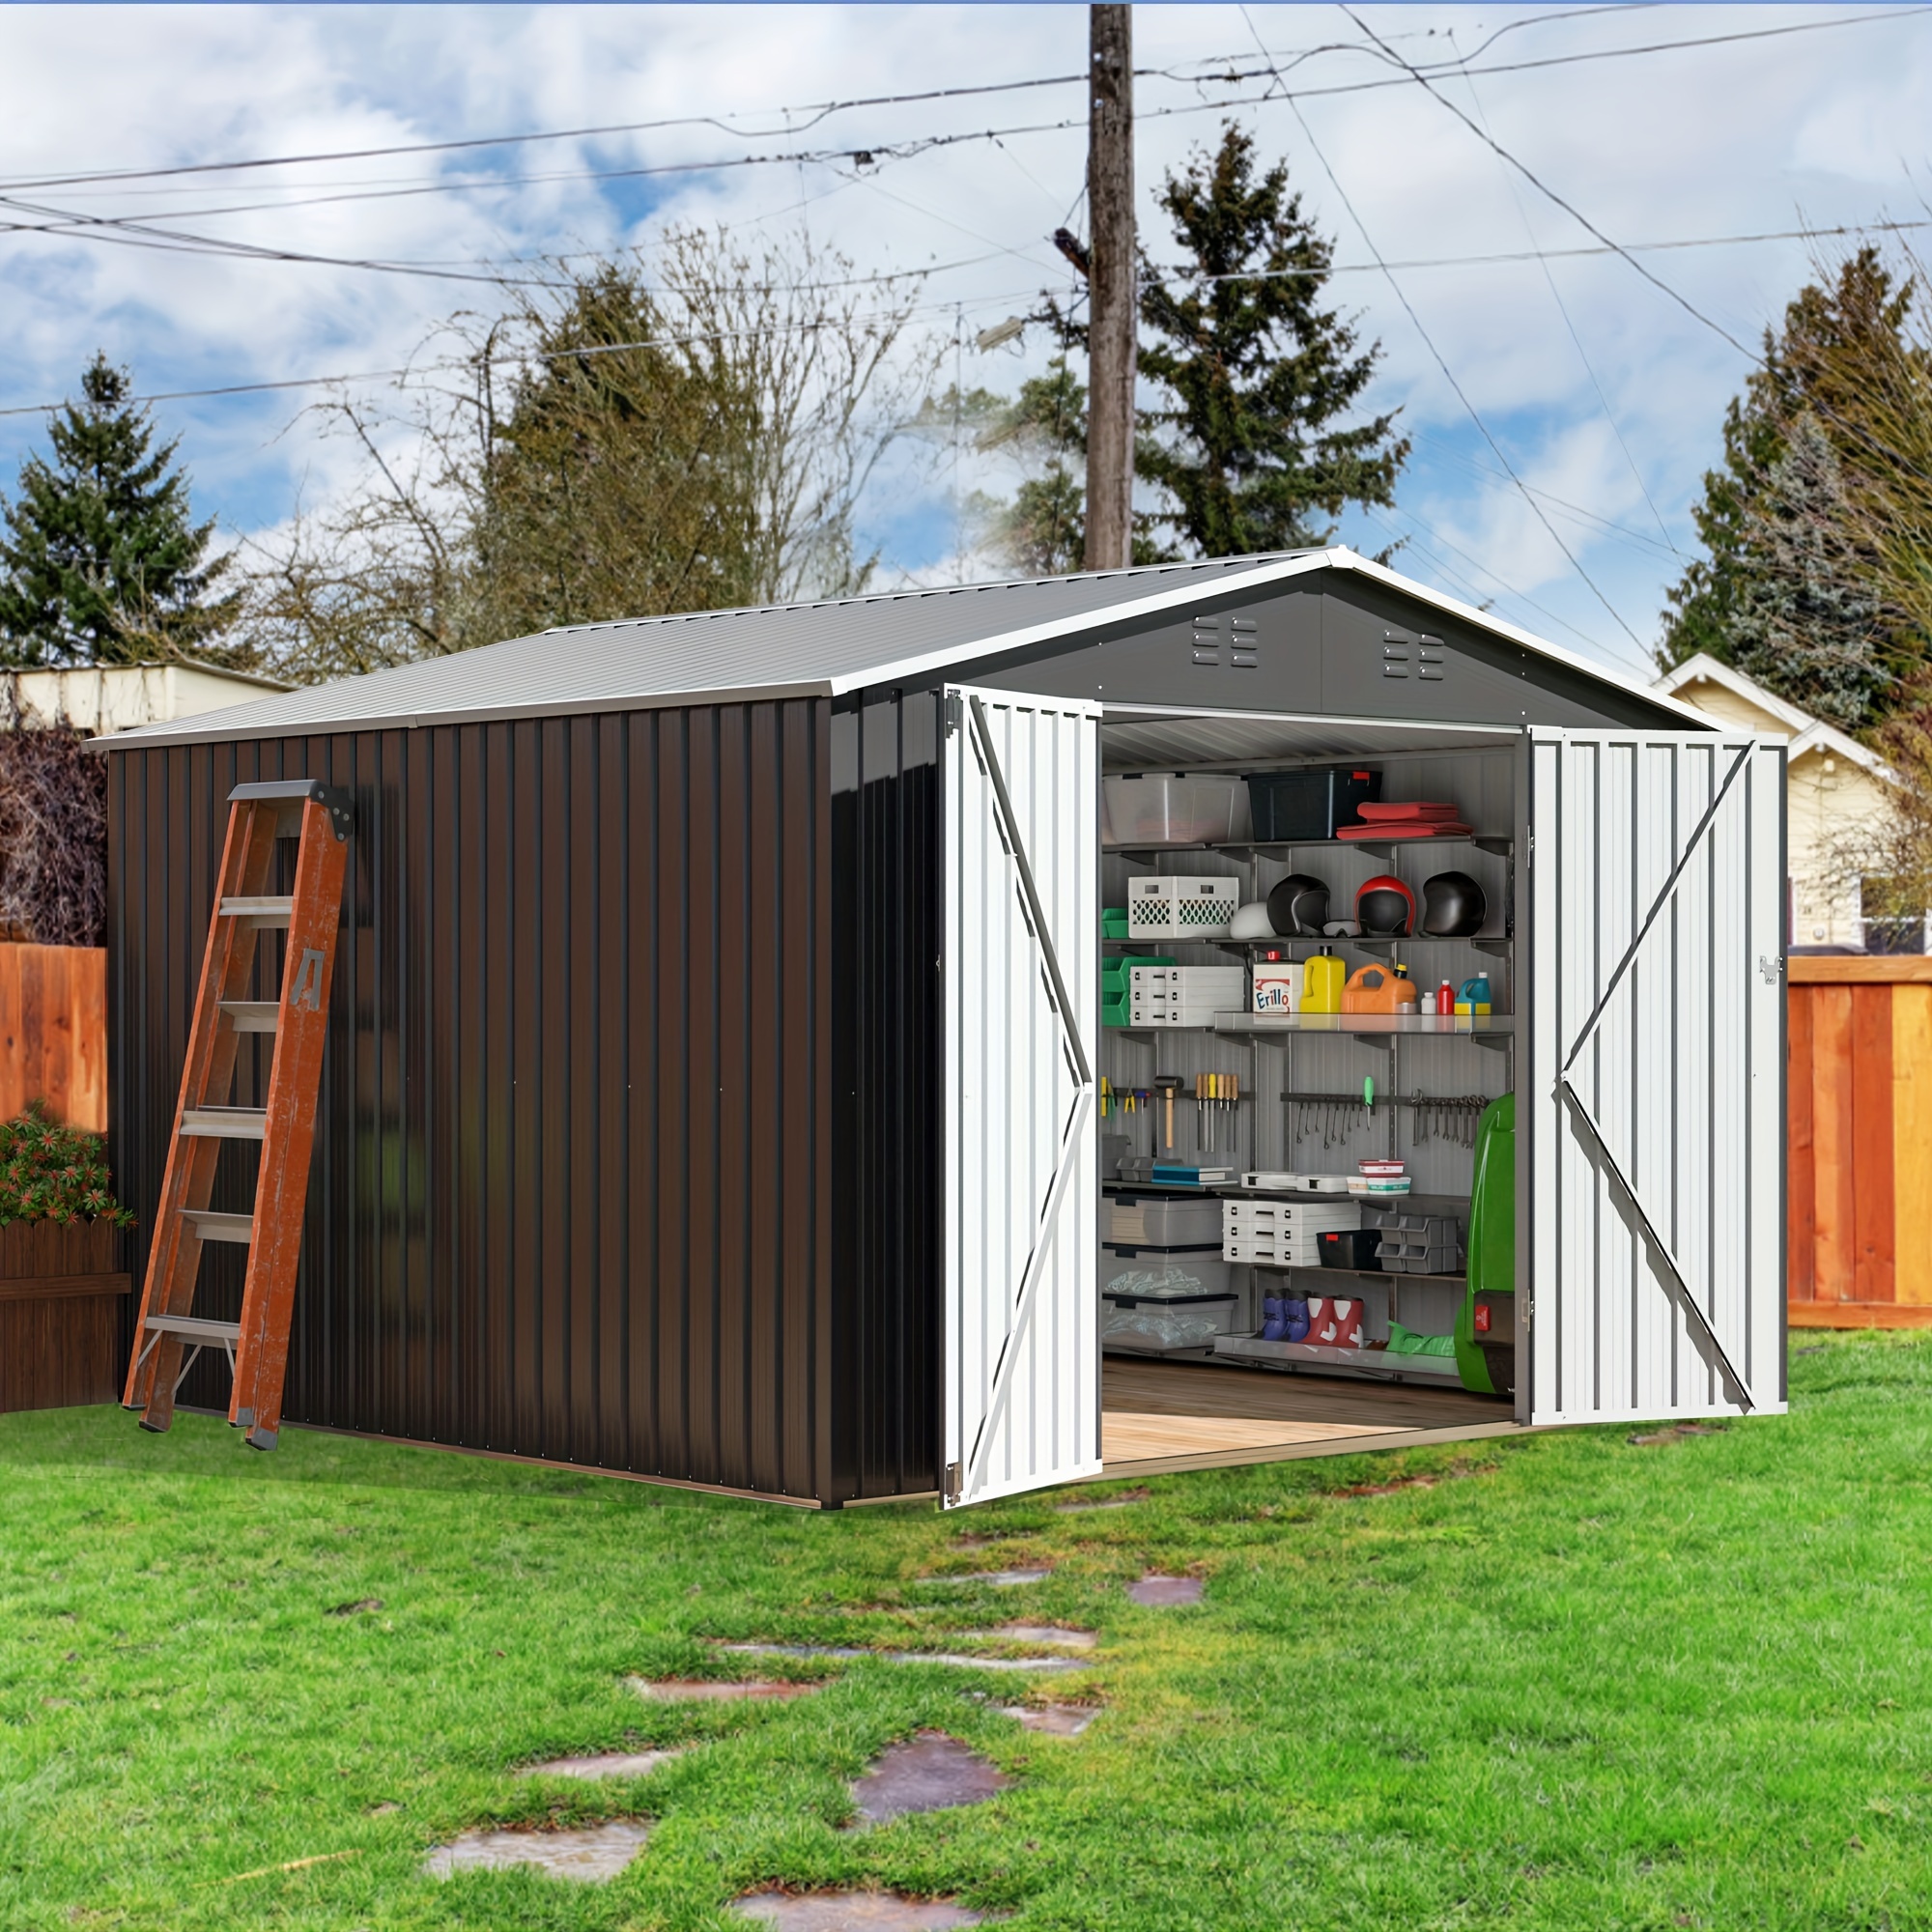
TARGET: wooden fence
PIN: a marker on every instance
(53, 1032)
(1860, 1181)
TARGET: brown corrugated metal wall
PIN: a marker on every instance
(572, 1191)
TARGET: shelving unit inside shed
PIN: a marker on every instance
(1301, 1080)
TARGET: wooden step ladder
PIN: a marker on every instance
(170, 1336)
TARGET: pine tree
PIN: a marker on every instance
(1807, 622)
(1253, 445)
(1789, 589)
(100, 561)
(1250, 448)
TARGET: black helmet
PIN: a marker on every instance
(1298, 907)
(1453, 906)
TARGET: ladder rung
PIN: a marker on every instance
(259, 910)
(195, 1328)
(226, 1124)
(214, 1227)
(251, 1015)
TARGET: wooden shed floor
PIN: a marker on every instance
(1157, 1416)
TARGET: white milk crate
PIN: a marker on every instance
(1176, 908)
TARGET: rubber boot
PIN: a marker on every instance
(1294, 1319)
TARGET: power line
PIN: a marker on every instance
(1449, 377)
(137, 233)
(1388, 523)
(1544, 189)
(1382, 269)
(820, 111)
(574, 354)
(1583, 353)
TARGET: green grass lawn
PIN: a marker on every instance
(1573, 1683)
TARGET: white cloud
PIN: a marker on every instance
(1726, 140)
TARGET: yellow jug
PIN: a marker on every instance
(1321, 983)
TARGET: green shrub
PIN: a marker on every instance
(51, 1173)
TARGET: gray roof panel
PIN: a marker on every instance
(822, 649)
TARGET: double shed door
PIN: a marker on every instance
(1650, 980)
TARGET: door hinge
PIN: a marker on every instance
(955, 1475)
(955, 711)
(1770, 968)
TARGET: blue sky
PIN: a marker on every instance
(1602, 391)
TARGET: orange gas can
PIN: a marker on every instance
(1378, 989)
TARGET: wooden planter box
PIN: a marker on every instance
(63, 1309)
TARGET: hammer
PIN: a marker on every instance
(1168, 1085)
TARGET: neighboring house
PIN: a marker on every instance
(1835, 794)
(97, 699)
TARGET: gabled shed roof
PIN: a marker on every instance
(794, 650)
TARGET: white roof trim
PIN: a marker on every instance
(1702, 668)
(1467, 614)
(1819, 737)
(1182, 597)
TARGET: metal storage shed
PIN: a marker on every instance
(710, 1094)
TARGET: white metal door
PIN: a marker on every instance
(1021, 1005)
(1652, 1212)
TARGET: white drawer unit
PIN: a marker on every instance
(1183, 995)
(1282, 1233)
(1269, 1251)
(1307, 1217)
(1198, 983)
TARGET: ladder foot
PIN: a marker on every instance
(260, 1438)
(154, 1428)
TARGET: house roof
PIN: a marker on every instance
(1808, 733)
(795, 650)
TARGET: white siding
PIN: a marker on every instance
(1682, 1073)
(1022, 1409)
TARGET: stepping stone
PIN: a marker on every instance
(1056, 1720)
(1119, 1502)
(1000, 1580)
(930, 1773)
(591, 1854)
(694, 1689)
(607, 1764)
(1165, 1592)
(906, 1655)
(1066, 1639)
(852, 1911)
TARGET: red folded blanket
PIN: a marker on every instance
(1422, 809)
(1405, 828)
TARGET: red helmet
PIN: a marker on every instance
(1385, 908)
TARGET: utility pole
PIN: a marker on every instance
(1112, 289)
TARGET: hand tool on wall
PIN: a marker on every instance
(1168, 1085)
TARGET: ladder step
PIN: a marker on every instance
(251, 1015)
(260, 910)
(226, 1124)
(214, 1227)
(195, 1328)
